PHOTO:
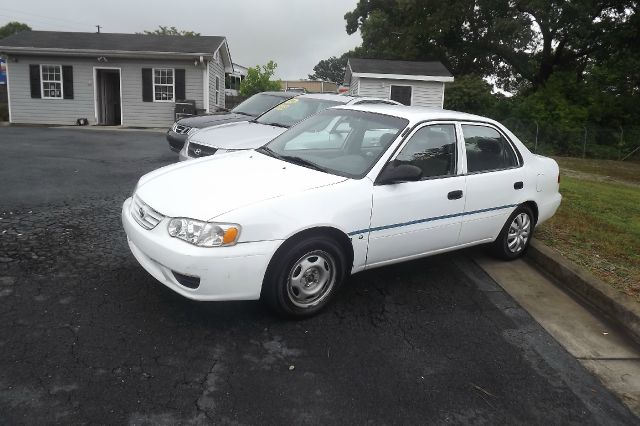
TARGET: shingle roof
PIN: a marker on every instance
(382, 66)
(112, 42)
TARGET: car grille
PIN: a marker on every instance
(196, 150)
(146, 217)
(180, 129)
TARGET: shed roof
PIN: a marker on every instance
(410, 70)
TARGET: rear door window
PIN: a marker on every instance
(487, 149)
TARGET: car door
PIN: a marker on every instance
(409, 219)
(494, 178)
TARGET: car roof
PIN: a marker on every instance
(280, 94)
(328, 96)
(414, 114)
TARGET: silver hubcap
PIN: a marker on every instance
(311, 279)
(518, 234)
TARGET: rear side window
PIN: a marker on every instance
(433, 149)
(487, 149)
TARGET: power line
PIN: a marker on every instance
(39, 23)
(42, 16)
(48, 18)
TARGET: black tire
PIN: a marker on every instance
(318, 260)
(504, 247)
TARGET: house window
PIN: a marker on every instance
(164, 87)
(401, 94)
(232, 82)
(51, 81)
(217, 89)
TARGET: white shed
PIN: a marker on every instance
(407, 82)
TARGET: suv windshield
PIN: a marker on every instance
(294, 110)
(338, 141)
(258, 104)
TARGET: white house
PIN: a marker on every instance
(407, 82)
(233, 80)
(112, 79)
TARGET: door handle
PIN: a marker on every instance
(518, 185)
(454, 195)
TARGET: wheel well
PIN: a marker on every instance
(336, 234)
(534, 208)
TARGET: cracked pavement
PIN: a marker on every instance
(87, 336)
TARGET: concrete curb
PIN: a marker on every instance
(615, 305)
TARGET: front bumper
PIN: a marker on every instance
(183, 154)
(176, 140)
(226, 273)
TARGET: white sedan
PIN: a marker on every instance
(289, 221)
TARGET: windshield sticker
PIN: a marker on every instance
(286, 104)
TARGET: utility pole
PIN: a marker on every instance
(98, 27)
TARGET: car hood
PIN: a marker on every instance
(214, 119)
(244, 135)
(208, 187)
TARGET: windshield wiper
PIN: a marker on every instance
(275, 124)
(302, 162)
(290, 158)
(242, 113)
(268, 151)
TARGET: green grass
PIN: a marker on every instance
(624, 171)
(598, 223)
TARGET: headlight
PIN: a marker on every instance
(192, 131)
(175, 126)
(204, 234)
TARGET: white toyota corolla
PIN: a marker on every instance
(348, 189)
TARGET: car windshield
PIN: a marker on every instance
(294, 110)
(337, 141)
(258, 104)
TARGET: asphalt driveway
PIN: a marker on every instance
(87, 336)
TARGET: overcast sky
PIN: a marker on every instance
(295, 33)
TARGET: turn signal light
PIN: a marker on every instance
(230, 235)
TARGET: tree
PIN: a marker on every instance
(259, 79)
(12, 28)
(520, 42)
(162, 30)
(331, 69)
(471, 94)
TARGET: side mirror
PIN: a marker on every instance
(400, 173)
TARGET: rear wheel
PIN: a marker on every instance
(515, 236)
(303, 276)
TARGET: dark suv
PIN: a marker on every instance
(247, 110)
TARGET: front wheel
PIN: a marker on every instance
(515, 236)
(303, 276)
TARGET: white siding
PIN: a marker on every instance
(353, 87)
(216, 68)
(424, 93)
(24, 109)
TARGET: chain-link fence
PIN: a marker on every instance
(588, 141)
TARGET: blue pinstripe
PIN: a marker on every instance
(430, 219)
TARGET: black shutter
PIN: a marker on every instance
(67, 82)
(147, 85)
(180, 90)
(34, 80)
